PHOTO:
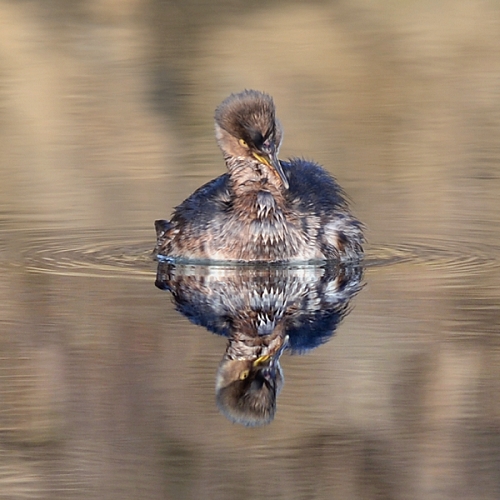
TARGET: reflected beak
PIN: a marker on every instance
(268, 156)
(267, 364)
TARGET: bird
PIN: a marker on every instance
(262, 209)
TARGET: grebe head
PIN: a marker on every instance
(247, 129)
(246, 389)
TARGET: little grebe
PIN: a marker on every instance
(262, 209)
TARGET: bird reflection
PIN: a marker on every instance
(263, 311)
(250, 376)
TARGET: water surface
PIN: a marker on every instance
(106, 390)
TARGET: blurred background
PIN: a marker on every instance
(106, 123)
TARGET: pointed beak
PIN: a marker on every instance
(268, 363)
(269, 156)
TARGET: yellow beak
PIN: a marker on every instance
(271, 160)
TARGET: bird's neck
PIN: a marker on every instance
(248, 178)
(247, 341)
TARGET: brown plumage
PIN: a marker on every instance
(262, 310)
(250, 377)
(262, 209)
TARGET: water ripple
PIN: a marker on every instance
(441, 255)
(105, 254)
(91, 253)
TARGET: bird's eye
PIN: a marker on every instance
(244, 375)
(243, 143)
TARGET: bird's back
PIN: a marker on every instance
(312, 189)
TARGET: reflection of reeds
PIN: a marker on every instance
(28, 393)
(400, 96)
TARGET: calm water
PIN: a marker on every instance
(107, 391)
